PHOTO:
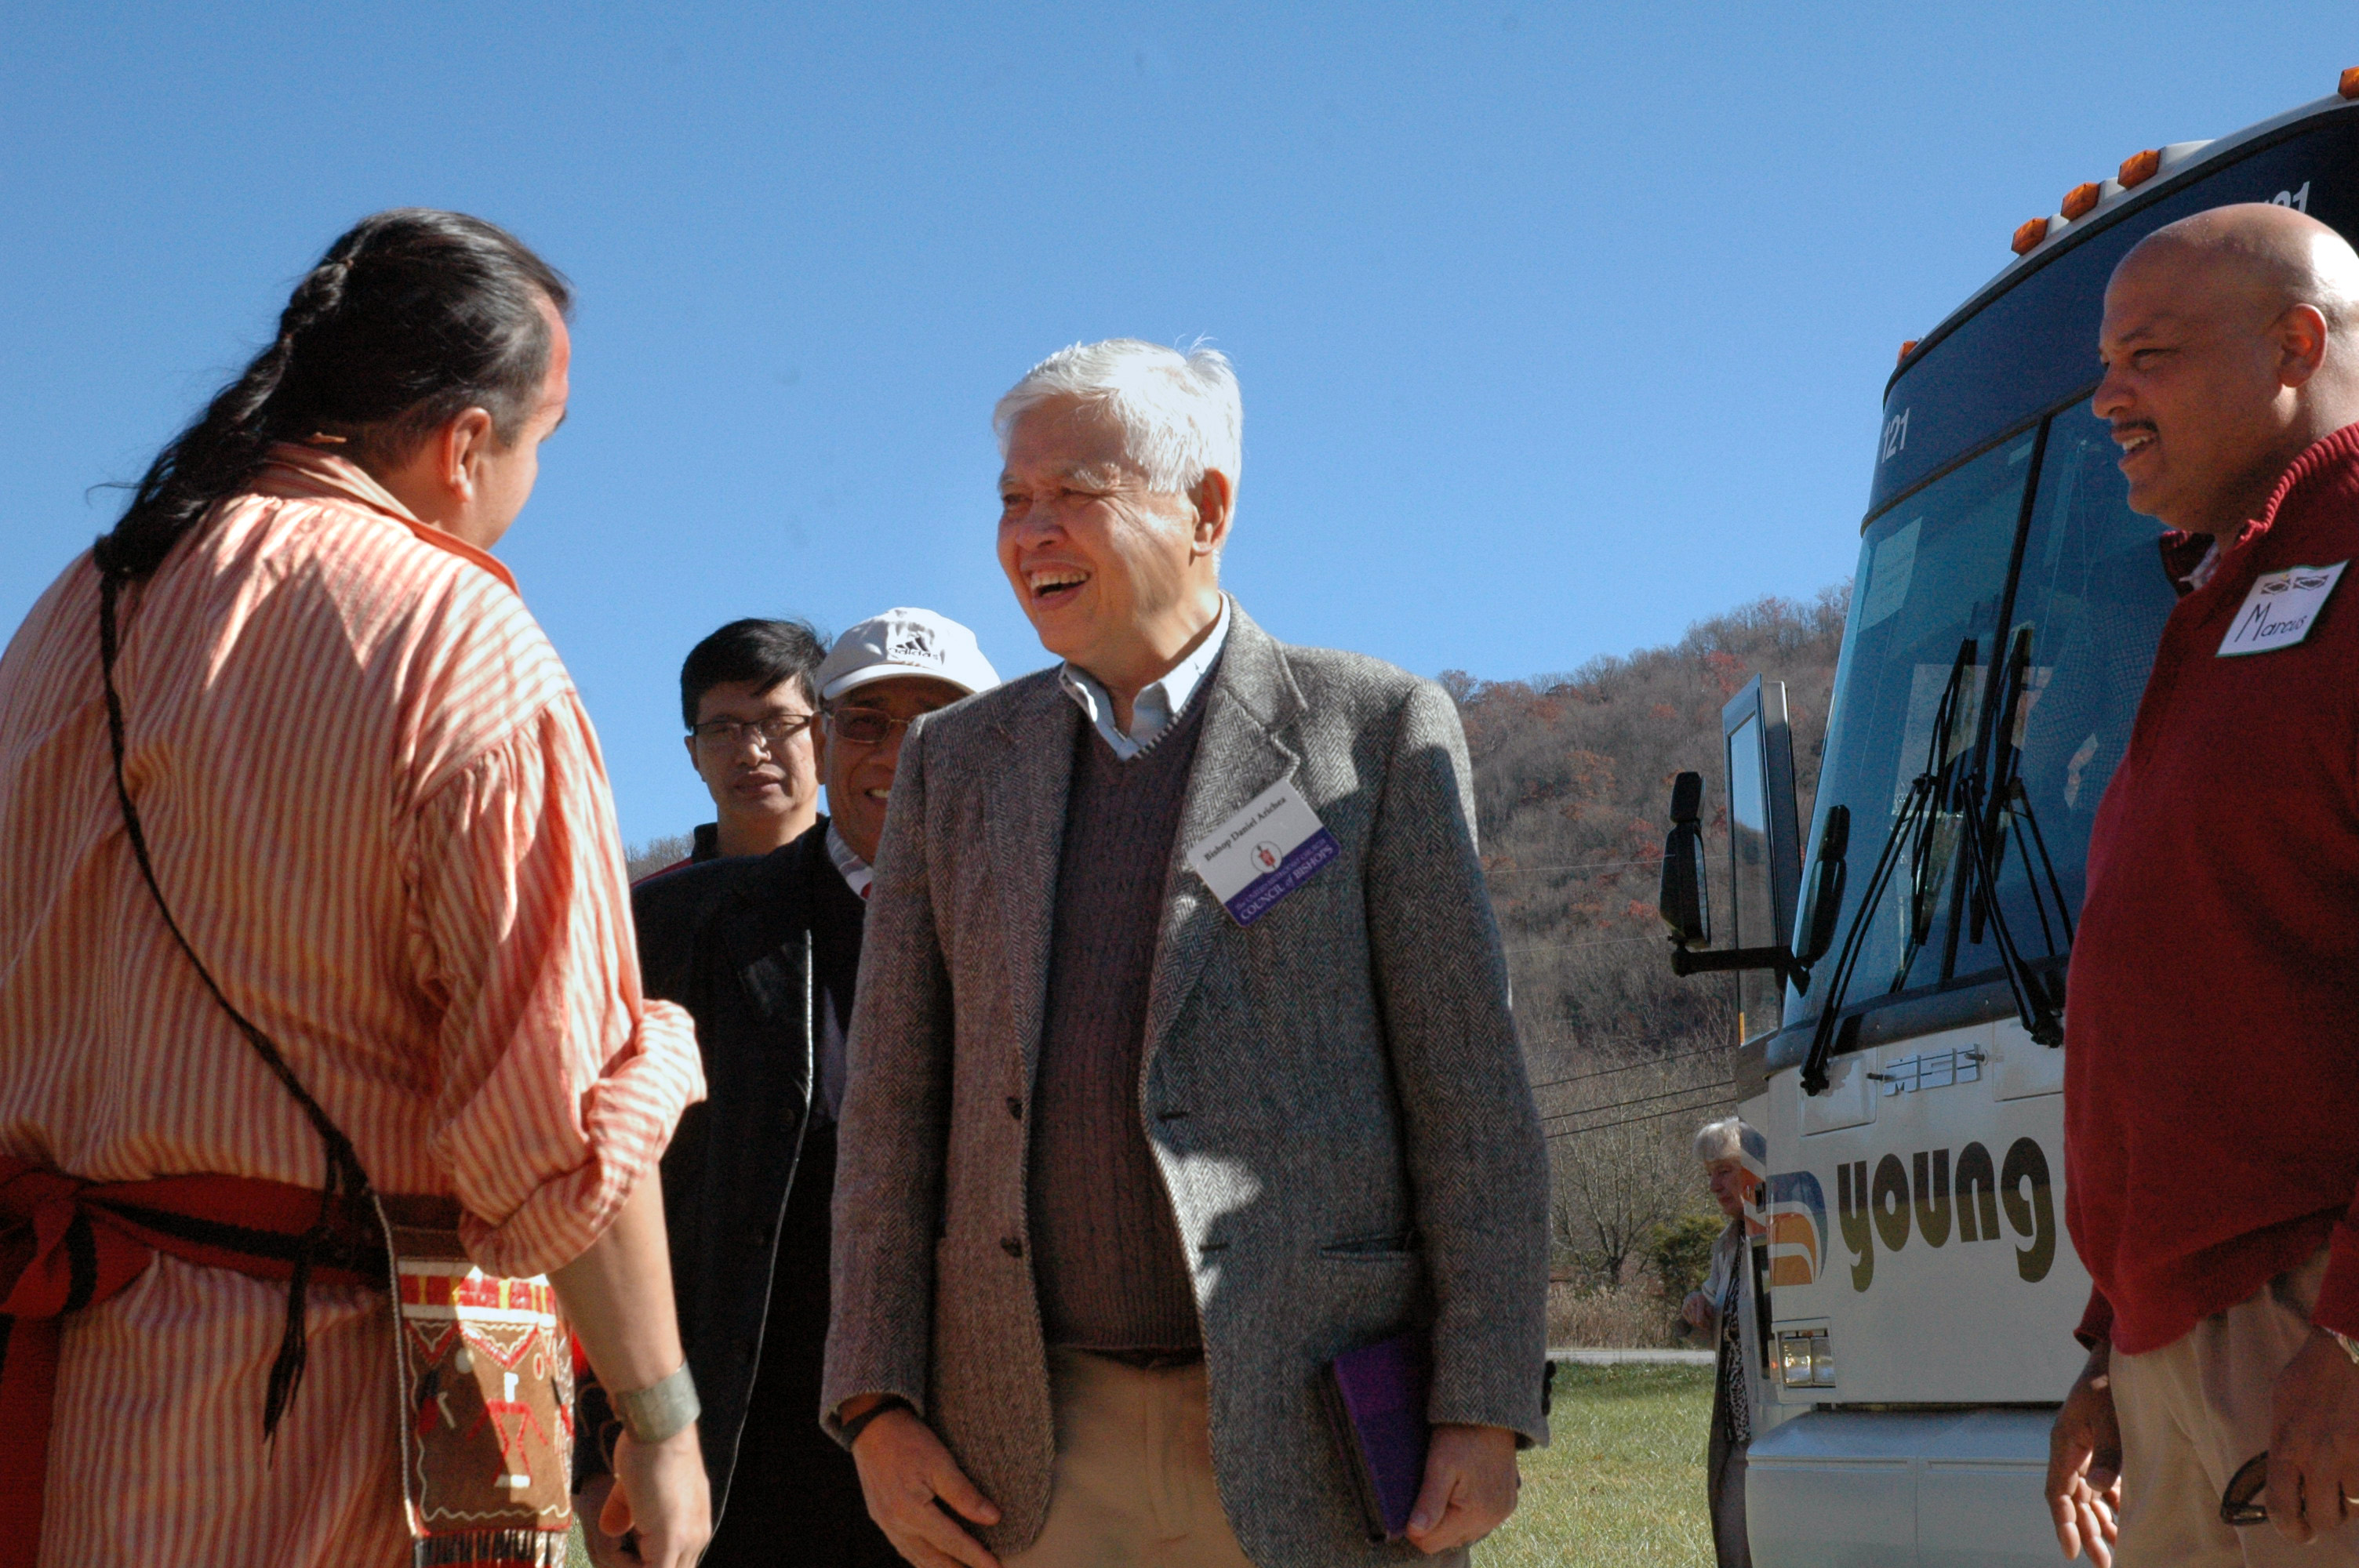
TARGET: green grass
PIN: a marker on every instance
(1621, 1484)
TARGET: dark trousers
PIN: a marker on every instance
(1724, 1464)
(794, 1497)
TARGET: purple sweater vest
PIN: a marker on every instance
(1108, 1265)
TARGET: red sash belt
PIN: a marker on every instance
(67, 1244)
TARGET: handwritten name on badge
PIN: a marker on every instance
(2280, 610)
(1263, 853)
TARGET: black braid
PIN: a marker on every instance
(410, 317)
(217, 454)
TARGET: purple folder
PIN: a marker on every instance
(1377, 1395)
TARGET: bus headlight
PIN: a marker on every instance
(1805, 1358)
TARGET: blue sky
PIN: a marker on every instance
(1559, 327)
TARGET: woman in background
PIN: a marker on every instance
(1716, 1308)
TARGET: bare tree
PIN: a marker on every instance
(655, 854)
(1623, 1163)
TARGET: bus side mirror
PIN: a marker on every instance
(1682, 904)
(1822, 900)
(1762, 862)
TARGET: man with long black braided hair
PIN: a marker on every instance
(349, 768)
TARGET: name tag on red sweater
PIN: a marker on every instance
(2280, 610)
(1264, 853)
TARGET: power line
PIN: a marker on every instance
(1570, 947)
(1638, 1099)
(1649, 1115)
(1632, 1067)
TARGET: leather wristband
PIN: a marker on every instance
(859, 1423)
(661, 1410)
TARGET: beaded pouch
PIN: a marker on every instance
(487, 1405)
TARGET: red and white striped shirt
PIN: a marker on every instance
(376, 806)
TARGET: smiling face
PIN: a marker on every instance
(2194, 388)
(860, 773)
(2226, 343)
(764, 796)
(1114, 575)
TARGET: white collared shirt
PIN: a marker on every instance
(2204, 568)
(854, 870)
(1157, 707)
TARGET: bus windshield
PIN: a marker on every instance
(2086, 611)
(1931, 578)
(2090, 603)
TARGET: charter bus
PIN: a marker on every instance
(1900, 962)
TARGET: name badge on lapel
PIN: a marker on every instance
(1264, 853)
(2280, 610)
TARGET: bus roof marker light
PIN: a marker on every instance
(2027, 237)
(2139, 168)
(1906, 345)
(2081, 200)
(2349, 86)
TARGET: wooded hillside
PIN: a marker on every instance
(1572, 784)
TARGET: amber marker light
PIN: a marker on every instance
(1907, 347)
(2139, 168)
(2030, 234)
(2349, 86)
(2081, 198)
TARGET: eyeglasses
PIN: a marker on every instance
(2241, 1503)
(724, 736)
(864, 726)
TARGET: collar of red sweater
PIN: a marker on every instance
(2327, 473)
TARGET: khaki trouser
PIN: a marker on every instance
(1133, 1487)
(2194, 1411)
(1134, 1478)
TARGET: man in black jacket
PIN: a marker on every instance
(763, 952)
(748, 698)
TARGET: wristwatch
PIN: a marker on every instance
(659, 1411)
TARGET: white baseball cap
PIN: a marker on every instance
(905, 643)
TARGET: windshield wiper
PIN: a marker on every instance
(2006, 798)
(1949, 775)
(1946, 801)
(1907, 837)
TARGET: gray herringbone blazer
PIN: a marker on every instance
(1333, 1094)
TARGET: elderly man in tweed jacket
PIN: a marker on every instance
(1135, 1140)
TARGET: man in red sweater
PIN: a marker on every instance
(2212, 1067)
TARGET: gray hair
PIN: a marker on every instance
(1723, 1140)
(1180, 412)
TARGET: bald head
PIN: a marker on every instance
(2265, 256)
(2231, 344)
